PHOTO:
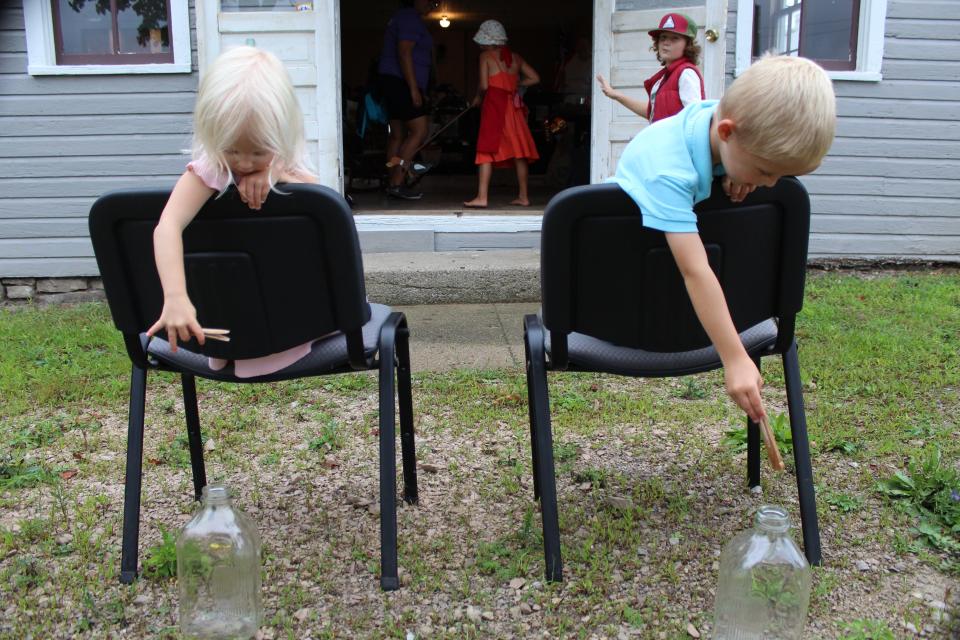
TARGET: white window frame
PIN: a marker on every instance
(42, 55)
(873, 13)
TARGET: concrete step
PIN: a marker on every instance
(452, 277)
(439, 230)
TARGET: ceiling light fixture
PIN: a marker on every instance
(444, 21)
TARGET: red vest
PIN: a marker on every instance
(668, 95)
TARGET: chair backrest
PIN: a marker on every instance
(275, 278)
(603, 274)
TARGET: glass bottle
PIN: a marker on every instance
(764, 584)
(218, 570)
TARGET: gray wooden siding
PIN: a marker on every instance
(890, 186)
(64, 140)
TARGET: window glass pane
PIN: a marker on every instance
(266, 5)
(827, 29)
(143, 26)
(776, 26)
(85, 27)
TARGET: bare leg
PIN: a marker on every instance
(397, 133)
(416, 134)
(483, 188)
(523, 172)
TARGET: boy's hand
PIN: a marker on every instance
(743, 386)
(736, 190)
(605, 87)
(254, 188)
(180, 319)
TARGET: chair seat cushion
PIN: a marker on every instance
(591, 354)
(326, 354)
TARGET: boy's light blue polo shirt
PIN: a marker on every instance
(667, 168)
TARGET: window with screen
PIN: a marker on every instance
(112, 32)
(822, 30)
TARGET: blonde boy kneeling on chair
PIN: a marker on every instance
(776, 119)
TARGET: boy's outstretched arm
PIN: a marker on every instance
(178, 316)
(740, 373)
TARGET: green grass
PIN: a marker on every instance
(881, 374)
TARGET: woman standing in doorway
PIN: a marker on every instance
(675, 86)
(504, 138)
(404, 70)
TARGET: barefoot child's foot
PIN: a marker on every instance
(521, 202)
(476, 203)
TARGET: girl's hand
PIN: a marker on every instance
(180, 319)
(743, 383)
(476, 101)
(254, 188)
(605, 87)
(736, 190)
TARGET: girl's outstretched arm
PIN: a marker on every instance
(178, 316)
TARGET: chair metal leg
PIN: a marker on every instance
(532, 414)
(405, 400)
(753, 447)
(540, 404)
(389, 579)
(189, 385)
(131, 489)
(801, 457)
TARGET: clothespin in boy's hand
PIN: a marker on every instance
(770, 441)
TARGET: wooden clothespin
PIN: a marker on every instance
(770, 441)
(223, 335)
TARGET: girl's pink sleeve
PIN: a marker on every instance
(209, 173)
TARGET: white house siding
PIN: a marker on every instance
(64, 140)
(890, 187)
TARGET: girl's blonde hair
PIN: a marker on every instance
(784, 110)
(247, 92)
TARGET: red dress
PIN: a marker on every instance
(504, 134)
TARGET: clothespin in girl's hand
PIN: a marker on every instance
(770, 441)
(396, 161)
(223, 335)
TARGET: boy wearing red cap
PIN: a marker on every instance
(678, 83)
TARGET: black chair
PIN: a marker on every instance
(277, 278)
(614, 301)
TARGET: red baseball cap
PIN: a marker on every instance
(675, 23)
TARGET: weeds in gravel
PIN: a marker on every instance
(867, 630)
(930, 492)
(647, 494)
(160, 560)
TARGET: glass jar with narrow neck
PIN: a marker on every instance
(764, 586)
(218, 570)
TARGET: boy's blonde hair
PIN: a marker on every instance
(248, 92)
(783, 109)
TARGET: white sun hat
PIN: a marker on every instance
(491, 32)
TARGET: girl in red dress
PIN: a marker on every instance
(504, 139)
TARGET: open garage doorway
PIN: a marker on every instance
(553, 37)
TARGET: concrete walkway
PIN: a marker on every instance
(467, 336)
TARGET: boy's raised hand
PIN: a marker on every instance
(605, 87)
(743, 383)
(180, 320)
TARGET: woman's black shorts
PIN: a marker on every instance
(395, 95)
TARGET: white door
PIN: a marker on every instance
(307, 42)
(622, 54)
